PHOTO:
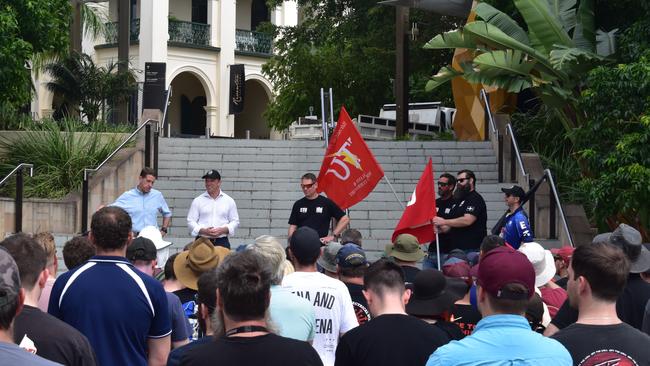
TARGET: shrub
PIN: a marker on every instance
(59, 155)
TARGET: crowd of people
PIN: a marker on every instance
(318, 299)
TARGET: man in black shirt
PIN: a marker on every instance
(444, 204)
(468, 223)
(316, 212)
(243, 297)
(391, 337)
(52, 339)
(351, 264)
(597, 276)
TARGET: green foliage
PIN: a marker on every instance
(70, 124)
(28, 27)
(86, 87)
(58, 157)
(350, 47)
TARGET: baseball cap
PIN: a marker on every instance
(406, 248)
(457, 268)
(514, 191)
(9, 280)
(328, 259)
(350, 256)
(503, 266)
(211, 174)
(629, 239)
(141, 249)
(305, 244)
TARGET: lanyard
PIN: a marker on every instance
(246, 329)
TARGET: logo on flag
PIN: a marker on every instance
(349, 171)
(420, 210)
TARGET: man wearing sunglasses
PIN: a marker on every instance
(468, 223)
(516, 229)
(444, 204)
(316, 212)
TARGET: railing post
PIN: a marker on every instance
(531, 205)
(19, 201)
(156, 135)
(84, 204)
(147, 145)
(500, 156)
(551, 217)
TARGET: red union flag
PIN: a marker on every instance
(420, 210)
(349, 171)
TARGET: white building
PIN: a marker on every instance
(198, 40)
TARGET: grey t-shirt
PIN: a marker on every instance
(180, 325)
(11, 355)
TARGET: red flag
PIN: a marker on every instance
(420, 210)
(349, 171)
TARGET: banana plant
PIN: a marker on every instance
(551, 55)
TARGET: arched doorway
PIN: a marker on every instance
(186, 115)
(256, 99)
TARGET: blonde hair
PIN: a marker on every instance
(46, 241)
(271, 250)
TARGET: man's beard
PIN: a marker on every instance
(462, 192)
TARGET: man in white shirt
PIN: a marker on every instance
(329, 297)
(213, 214)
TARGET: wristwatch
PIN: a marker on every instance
(163, 229)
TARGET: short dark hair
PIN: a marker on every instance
(110, 227)
(491, 242)
(207, 290)
(354, 272)
(384, 275)
(169, 267)
(604, 266)
(148, 171)
(29, 255)
(450, 178)
(351, 236)
(469, 173)
(510, 306)
(244, 283)
(76, 251)
(309, 176)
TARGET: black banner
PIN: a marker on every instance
(153, 94)
(237, 88)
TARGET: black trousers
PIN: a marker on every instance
(219, 242)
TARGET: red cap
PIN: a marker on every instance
(502, 266)
(565, 253)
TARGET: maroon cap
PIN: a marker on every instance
(502, 266)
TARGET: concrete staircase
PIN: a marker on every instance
(264, 179)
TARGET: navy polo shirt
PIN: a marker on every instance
(115, 306)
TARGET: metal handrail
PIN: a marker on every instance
(493, 128)
(87, 171)
(17, 168)
(556, 196)
(126, 141)
(18, 200)
(516, 146)
(163, 122)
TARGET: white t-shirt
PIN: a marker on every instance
(333, 307)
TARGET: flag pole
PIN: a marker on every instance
(437, 248)
(395, 193)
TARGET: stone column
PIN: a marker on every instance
(224, 124)
(153, 34)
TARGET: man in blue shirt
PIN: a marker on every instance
(122, 311)
(143, 203)
(506, 282)
(516, 229)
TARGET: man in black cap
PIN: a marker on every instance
(213, 214)
(516, 229)
(142, 254)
